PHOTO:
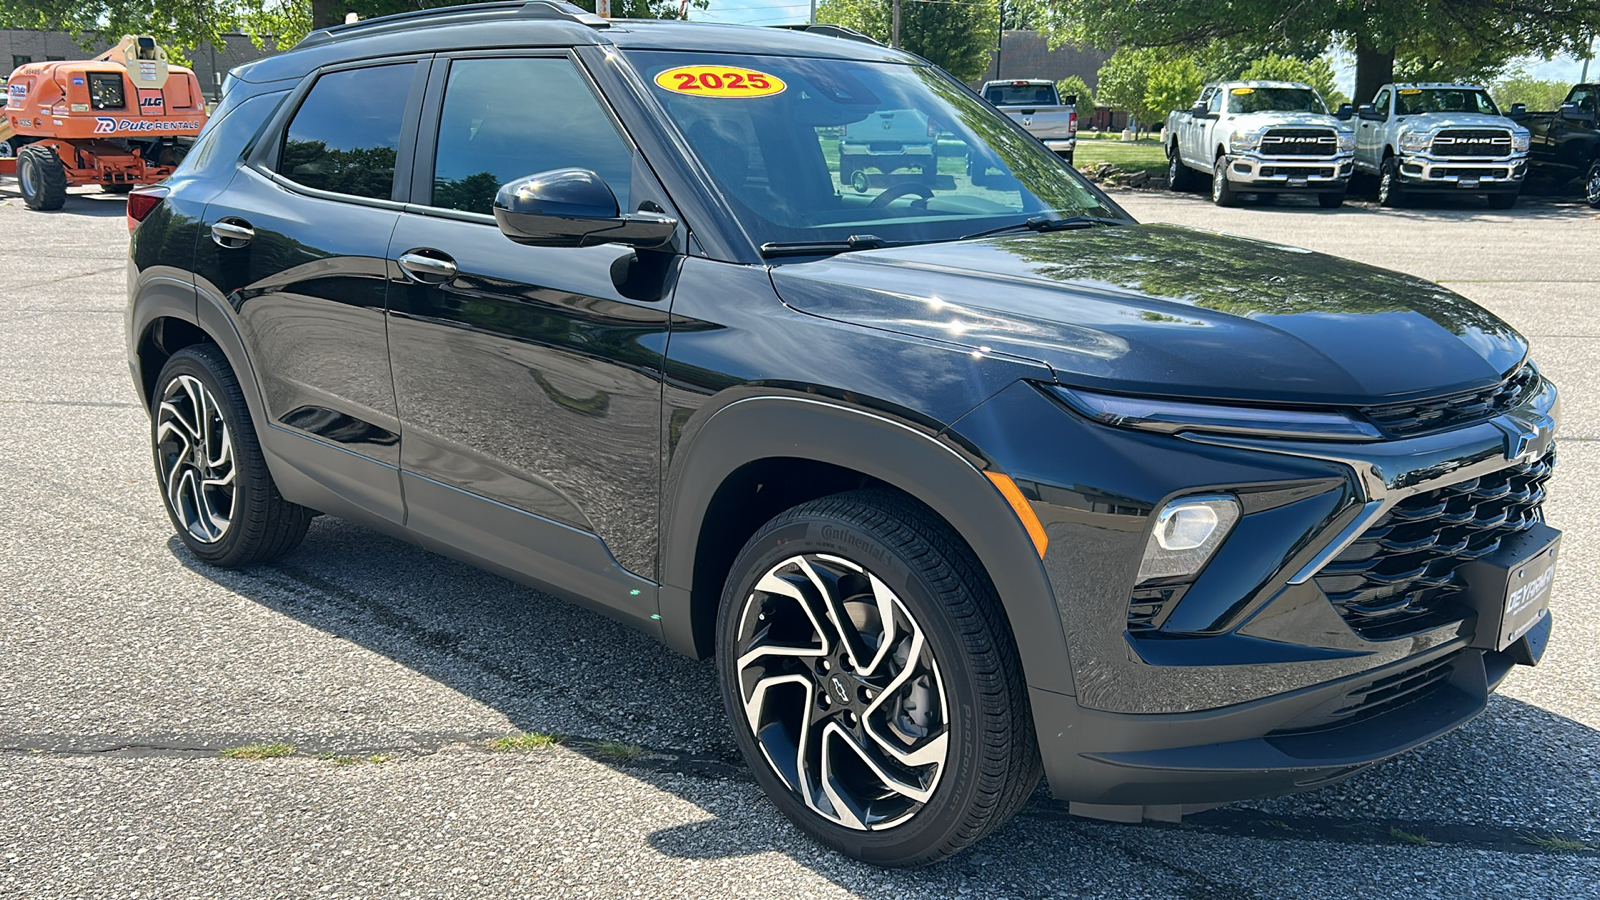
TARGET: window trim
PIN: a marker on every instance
(265, 156)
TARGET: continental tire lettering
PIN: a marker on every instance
(838, 535)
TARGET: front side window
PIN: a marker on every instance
(808, 150)
(346, 135)
(1381, 105)
(507, 118)
(1273, 99)
(1414, 101)
(1213, 101)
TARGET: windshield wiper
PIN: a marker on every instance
(819, 248)
(1045, 223)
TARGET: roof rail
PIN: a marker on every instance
(537, 9)
(838, 31)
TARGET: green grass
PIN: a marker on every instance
(339, 760)
(1145, 155)
(259, 751)
(1555, 842)
(534, 741)
(1403, 835)
(616, 750)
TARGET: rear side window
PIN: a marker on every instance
(229, 130)
(507, 118)
(346, 135)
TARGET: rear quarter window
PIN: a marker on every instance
(230, 131)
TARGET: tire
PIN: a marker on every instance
(8, 150)
(1503, 200)
(1391, 192)
(1222, 193)
(42, 178)
(945, 688)
(1331, 199)
(1591, 185)
(1066, 155)
(1179, 176)
(214, 482)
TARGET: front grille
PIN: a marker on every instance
(1297, 171)
(1401, 420)
(1399, 577)
(1375, 698)
(1472, 142)
(1299, 142)
(1465, 172)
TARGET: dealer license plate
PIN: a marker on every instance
(1297, 182)
(1510, 588)
(1468, 182)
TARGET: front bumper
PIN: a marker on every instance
(1424, 172)
(1254, 172)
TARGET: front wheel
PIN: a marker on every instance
(41, 177)
(213, 479)
(872, 680)
(1222, 193)
(1390, 192)
(1591, 185)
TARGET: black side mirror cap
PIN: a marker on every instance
(1519, 111)
(1346, 111)
(1365, 111)
(1069, 100)
(1198, 110)
(574, 208)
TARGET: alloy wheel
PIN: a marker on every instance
(841, 691)
(1591, 186)
(194, 449)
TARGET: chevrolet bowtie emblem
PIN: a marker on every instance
(1526, 438)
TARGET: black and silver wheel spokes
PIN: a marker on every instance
(1591, 186)
(841, 691)
(194, 451)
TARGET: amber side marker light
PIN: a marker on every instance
(1020, 506)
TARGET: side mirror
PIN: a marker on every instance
(1365, 111)
(1346, 111)
(1069, 100)
(574, 208)
(1572, 112)
(1198, 110)
(1519, 111)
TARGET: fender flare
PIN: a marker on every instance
(947, 480)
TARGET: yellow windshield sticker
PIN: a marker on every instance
(1409, 91)
(1244, 91)
(719, 81)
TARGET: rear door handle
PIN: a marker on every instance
(232, 233)
(428, 269)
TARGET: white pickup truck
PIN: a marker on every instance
(1261, 137)
(1440, 137)
(1036, 106)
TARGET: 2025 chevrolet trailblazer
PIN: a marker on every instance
(962, 480)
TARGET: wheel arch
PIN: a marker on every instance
(168, 315)
(821, 447)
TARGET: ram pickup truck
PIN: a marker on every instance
(1566, 143)
(1037, 107)
(1440, 137)
(1262, 137)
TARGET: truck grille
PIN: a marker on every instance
(1465, 172)
(1472, 142)
(1299, 142)
(1399, 577)
(1401, 420)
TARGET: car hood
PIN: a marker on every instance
(1169, 310)
(1252, 121)
(1430, 121)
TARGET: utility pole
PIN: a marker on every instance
(894, 38)
(813, 12)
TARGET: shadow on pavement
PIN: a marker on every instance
(548, 666)
(81, 202)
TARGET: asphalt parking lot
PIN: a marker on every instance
(126, 667)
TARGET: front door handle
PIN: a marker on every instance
(428, 269)
(232, 233)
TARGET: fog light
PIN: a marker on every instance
(1187, 532)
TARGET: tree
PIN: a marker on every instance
(1071, 85)
(1517, 86)
(956, 36)
(1148, 84)
(1316, 72)
(1446, 37)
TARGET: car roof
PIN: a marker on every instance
(548, 24)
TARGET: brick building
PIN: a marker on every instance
(1026, 54)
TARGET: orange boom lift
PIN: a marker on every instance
(114, 121)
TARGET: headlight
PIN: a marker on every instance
(1241, 141)
(1172, 416)
(1347, 141)
(1520, 141)
(1187, 532)
(1415, 141)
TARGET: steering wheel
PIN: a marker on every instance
(895, 192)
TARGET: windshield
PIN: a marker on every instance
(1412, 101)
(1021, 94)
(823, 150)
(1265, 99)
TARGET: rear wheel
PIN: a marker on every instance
(1391, 192)
(117, 188)
(42, 178)
(872, 681)
(1179, 176)
(214, 481)
(1591, 185)
(1222, 193)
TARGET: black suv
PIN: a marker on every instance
(962, 478)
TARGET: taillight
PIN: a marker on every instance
(142, 201)
(1072, 122)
